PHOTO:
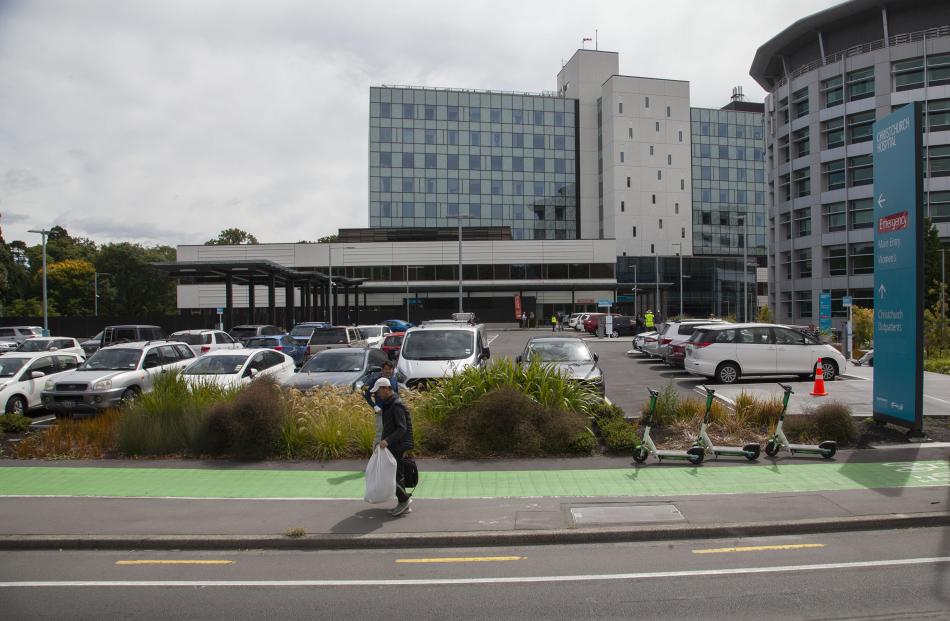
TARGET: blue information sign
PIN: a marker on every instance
(824, 311)
(604, 303)
(898, 270)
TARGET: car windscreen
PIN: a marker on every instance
(302, 331)
(558, 351)
(370, 332)
(34, 331)
(329, 336)
(438, 345)
(217, 365)
(243, 333)
(35, 345)
(339, 361)
(261, 342)
(190, 338)
(393, 341)
(112, 359)
(9, 366)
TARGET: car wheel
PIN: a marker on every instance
(16, 405)
(829, 369)
(727, 373)
(129, 396)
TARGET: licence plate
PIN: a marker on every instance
(68, 405)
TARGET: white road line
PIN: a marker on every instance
(936, 399)
(43, 420)
(492, 338)
(463, 581)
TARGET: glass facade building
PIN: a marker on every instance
(491, 158)
(729, 182)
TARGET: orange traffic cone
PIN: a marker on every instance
(819, 389)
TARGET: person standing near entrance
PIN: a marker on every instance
(648, 320)
(553, 322)
(524, 319)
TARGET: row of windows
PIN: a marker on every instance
(518, 271)
(537, 212)
(911, 74)
(837, 216)
(729, 196)
(495, 187)
(429, 96)
(452, 161)
(517, 233)
(454, 137)
(727, 152)
(727, 130)
(472, 114)
(853, 259)
(726, 242)
(803, 302)
(726, 173)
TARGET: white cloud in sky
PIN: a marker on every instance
(167, 121)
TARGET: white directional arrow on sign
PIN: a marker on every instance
(881, 200)
(882, 291)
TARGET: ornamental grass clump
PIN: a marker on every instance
(94, 437)
(328, 423)
(828, 421)
(248, 426)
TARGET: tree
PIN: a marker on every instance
(862, 326)
(764, 315)
(232, 236)
(135, 287)
(70, 286)
(29, 307)
(931, 264)
(329, 239)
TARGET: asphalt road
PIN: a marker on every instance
(884, 575)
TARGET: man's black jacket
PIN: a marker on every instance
(397, 426)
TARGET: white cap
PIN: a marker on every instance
(381, 383)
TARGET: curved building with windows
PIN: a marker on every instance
(829, 76)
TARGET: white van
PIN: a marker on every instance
(435, 350)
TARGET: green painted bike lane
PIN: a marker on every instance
(653, 480)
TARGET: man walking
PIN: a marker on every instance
(374, 401)
(397, 437)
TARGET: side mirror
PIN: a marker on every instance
(596, 357)
(54, 348)
(252, 372)
(486, 353)
(37, 374)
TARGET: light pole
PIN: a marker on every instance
(636, 311)
(330, 296)
(680, 253)
(657, 301)
(44, 233)
(745, 272)
(95, 285)
(460, 260)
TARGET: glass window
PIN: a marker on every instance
(833, 91)
(799, 104)
(861, 213)
(939, 157)
(803, 222)
(801, 141)
(834, 216)
(834, 175)
(802, 182)
(833, 131)
(860, 170)
(803, 263)
(859, 126)
(862, 258)
(860, 84)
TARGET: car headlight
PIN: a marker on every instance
(48, 385)
(105, 384)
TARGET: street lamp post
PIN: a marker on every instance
(95, 281)
(745, 270)
(44, 233)
(680, 253)
(330, 296)
(460, 261)
(657, 301)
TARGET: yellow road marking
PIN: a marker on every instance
(794, 546)
(173, 562)
(460, 559)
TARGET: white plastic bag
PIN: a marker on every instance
(380, 477)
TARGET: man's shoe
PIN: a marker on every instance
(401, 508)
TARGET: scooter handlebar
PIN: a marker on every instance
(654, 393)
(786, 387)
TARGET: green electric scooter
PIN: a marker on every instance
(646, 448)
(778, 441)
(749, 451)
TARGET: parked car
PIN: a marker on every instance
(464, 317)
(435, 350)
(302, 331)
(643, 340)
(726, 352)
(203, 341)
(113, 375)
(337, 336)
(579, 323)
(397, 325)
(678, 332)
(623, 325)
(651, 346)
(231, 368)
(392, 344)
(242, 333)
(60, 344)
(569, 355)
(22, 376)
(12, 336)
(338, 367)
(866, 359)
(592, 321)
(91, 345)
(572, 320)
(130, 334)
(283, 343)
(373, 335)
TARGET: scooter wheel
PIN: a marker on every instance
(828, 449)
(696, 455)
(640, 454)
(751, 451)
(771, 448)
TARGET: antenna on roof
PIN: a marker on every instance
(584, 42)
(596, 40)
(737, 94)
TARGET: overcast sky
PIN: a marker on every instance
(167, 121)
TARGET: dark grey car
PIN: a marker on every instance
(338, 367)
(570, 355)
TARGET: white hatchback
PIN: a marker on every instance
(728, 351)
(203, 341)
(237, 367)
(58, 344)
(23, 375)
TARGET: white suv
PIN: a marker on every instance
(203, 341)
(728, 351)
(436, 350)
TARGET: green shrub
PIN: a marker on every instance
(937, 365)
(620, 436)
(14, 423)
(828, 421)
(249, 426)
(583, 443)
(604, 411)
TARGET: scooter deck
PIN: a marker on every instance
(681, 456)
(805, 448)
(728, 451)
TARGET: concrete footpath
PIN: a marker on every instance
(228, 505)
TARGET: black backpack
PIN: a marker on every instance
(410, 472)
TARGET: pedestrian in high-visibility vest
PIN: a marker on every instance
(554, 322)
(648, 320)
